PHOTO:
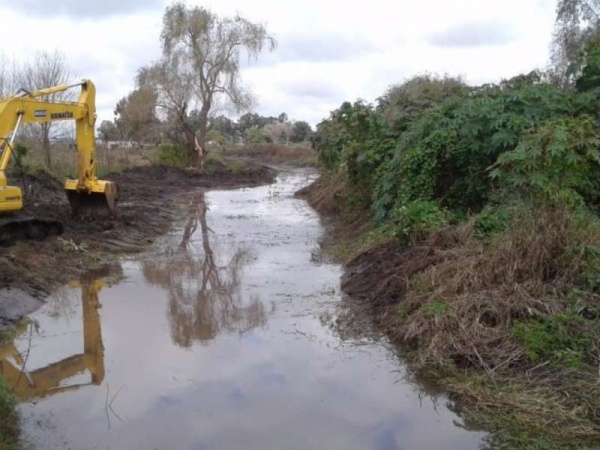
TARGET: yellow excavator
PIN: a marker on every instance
(88, 196)
(46, 381)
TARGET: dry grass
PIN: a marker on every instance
(64, 160)
(515, 308)
(293, 153)
(482, 288)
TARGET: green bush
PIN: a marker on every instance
(173, 154)
(464, 148)
(559, 161)
(493, 220)
(417, 217)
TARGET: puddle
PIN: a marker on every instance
(215, 341)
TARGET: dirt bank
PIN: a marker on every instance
(31, 269)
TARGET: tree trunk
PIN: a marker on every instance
(190, 139)
(202, 129)
(46, 145)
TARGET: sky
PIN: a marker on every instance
(329, 51)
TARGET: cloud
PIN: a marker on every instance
(311, 89)
(79, 8)
(316, 47)
(323, 47)
(474, 34)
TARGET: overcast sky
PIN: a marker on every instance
(329, 50)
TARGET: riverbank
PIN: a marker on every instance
(495, 319)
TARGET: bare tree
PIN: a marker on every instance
(200, 66)
(577, 22)
(274, 131)
(287, 129)
(8, 75)
(279, 130)
(44, 70)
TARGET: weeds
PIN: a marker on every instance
(9, 419)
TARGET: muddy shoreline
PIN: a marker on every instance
(30, 270)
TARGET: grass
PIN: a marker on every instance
(64, 161)
(9, 420)
(236, 166)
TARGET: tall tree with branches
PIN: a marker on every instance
(200, 67)
(577, 23)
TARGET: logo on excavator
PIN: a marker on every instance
(40, 113)
(62, 115)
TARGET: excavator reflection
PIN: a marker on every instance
(47, 380)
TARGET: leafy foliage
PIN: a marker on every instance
(556, 338)
(435, 141)
(254, 135)
(173, 154)
(302, 131)
(559, 160)
(200, 67)
(418, 216)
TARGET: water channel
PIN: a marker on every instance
(219, 337)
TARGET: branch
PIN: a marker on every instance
(591, 9)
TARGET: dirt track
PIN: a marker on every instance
(144, 211)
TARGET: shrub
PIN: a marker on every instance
(173, 154)
(417, 218)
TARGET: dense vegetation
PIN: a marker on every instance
(493, 193)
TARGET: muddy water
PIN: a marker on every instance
(218, 338)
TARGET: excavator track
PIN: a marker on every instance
(18, 228)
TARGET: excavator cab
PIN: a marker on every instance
(88, 196)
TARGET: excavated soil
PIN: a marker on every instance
(145, 210)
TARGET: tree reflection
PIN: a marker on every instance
(204, 298)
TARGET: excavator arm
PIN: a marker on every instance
(87, 195)
(49, 380)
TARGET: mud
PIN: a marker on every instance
(144, 211)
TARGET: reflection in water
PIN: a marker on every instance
(47, 380)
(204, 298)
(292, 385)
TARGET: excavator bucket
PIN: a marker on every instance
(98, 201)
